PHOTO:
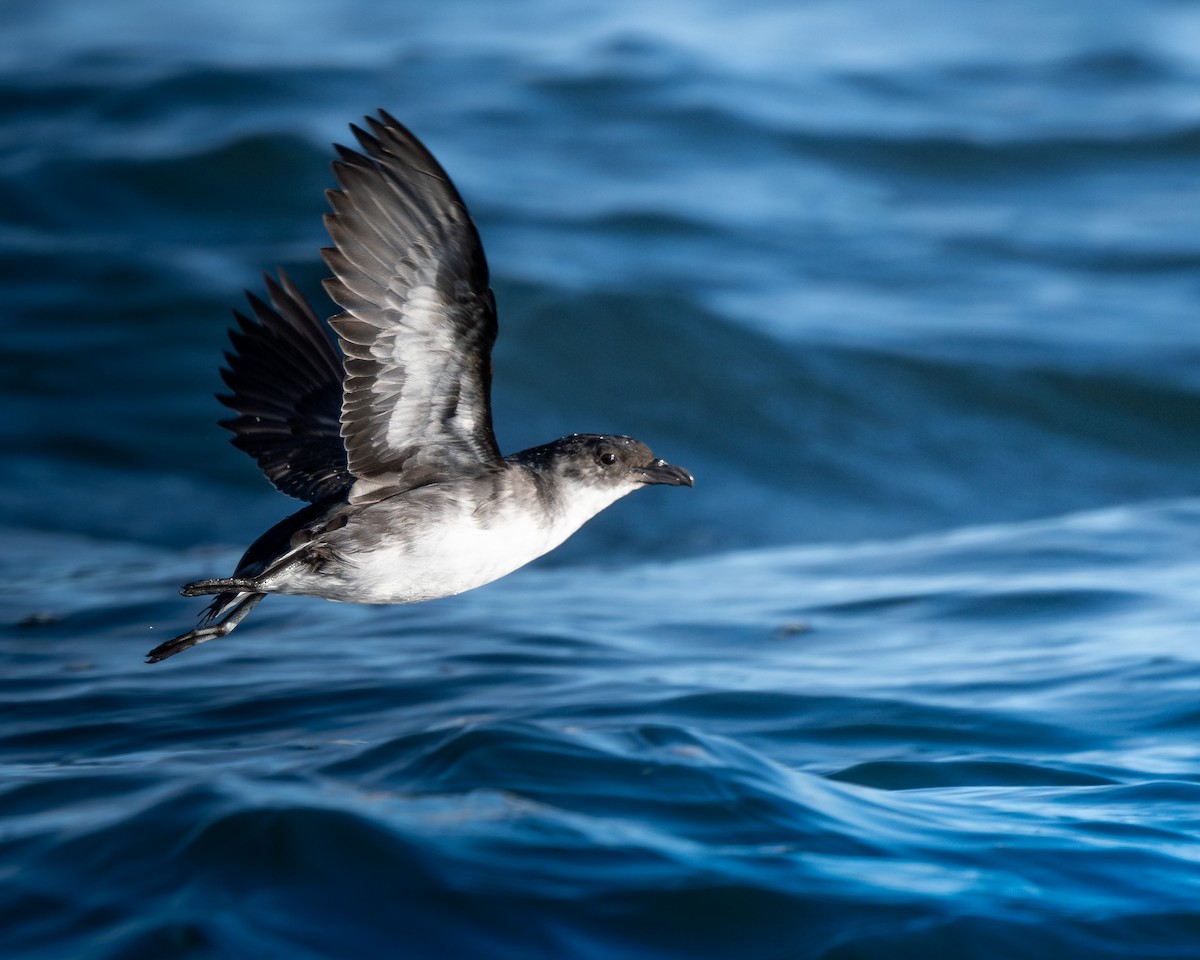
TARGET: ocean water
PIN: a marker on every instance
(913, 672)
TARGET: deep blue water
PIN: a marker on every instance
(912, 673)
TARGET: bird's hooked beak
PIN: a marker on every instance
(662, 472)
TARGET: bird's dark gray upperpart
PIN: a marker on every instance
(389, 438)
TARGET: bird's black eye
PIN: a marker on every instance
(608, 458)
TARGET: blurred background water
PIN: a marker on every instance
(910, 287)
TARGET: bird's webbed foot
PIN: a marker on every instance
(238, 610)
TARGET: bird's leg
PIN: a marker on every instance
(240, 606)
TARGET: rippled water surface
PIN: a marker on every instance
(913, 671)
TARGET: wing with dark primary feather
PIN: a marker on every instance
(285, 375)
(419, 321)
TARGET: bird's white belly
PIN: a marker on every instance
(450, 557)
(454, 558)
(431, 549)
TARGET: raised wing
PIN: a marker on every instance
(285, 375)
(419, 321)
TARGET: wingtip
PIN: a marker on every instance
(281, 292)
(259, 307)
(366, 141)
(271, 280)
(379, 126)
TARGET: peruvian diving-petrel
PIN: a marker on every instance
(389, 438)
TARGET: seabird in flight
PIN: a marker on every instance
(389, 438)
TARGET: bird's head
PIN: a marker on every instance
(600, 468)
(582, 474)
(605, 461)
